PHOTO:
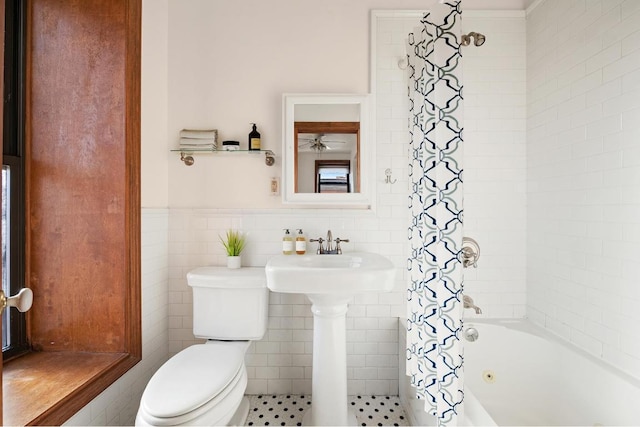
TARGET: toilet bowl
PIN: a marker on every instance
(204, 384)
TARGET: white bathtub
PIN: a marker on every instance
(517, 374)
(414, 408)
(523, 375)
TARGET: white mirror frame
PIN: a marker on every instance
(363, 199)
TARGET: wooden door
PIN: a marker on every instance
(88, 51)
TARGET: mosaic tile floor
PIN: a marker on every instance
(288, 410)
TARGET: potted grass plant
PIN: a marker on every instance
(234, 242)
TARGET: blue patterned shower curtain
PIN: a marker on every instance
(434, 350)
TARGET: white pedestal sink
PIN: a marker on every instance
(330, 281)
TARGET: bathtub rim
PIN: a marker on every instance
(471, 404)
(525, 325)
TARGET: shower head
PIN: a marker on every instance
(478, 39)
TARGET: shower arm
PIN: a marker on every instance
(478, 39)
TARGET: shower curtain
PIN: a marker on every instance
(434, 350)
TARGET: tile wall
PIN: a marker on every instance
(495, 162)
(118, 404)
(281, 362)
(494, 156)
(583, 162)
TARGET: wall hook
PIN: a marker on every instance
(388, 180)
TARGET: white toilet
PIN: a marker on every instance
(204, 384)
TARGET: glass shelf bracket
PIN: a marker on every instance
(186, 154)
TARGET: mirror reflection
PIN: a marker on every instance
(327, 151)
(326, 158)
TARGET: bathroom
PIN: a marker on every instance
(556, 216)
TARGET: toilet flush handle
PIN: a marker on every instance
(22, 300)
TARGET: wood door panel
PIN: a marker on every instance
(77, 175)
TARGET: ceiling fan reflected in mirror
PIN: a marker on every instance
(318, 142)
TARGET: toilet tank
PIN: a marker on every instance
(229, 304)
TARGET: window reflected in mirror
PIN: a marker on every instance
(333, 176)
(321, 128)
(326, 157)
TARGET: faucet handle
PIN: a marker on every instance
(470, 252)
(338, 241)
(320, 241)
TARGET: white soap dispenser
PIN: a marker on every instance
(288, 244)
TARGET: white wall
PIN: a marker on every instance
(495, 163)
(229, 64)
(155, 143)
(583, 163)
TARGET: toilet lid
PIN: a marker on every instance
(191, 378)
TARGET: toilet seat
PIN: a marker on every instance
(202, 384)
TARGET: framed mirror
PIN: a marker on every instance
(327, 153)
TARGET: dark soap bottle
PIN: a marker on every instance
(254, 138)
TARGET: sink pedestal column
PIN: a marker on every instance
(329, 406)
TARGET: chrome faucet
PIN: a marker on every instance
(470, 252)
(329, 249)
(468, 303)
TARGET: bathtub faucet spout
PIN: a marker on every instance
(468, 303)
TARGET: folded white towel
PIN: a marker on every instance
(196, 143)
(199, 134)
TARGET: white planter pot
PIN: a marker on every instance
(234, 261)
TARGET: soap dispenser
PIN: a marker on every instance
(288, 244)
(301, 243)
(254, 138)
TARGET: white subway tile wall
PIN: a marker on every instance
(495, 162)
(118, 404)
(280, 363)
(583, 168)
(495, 150)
